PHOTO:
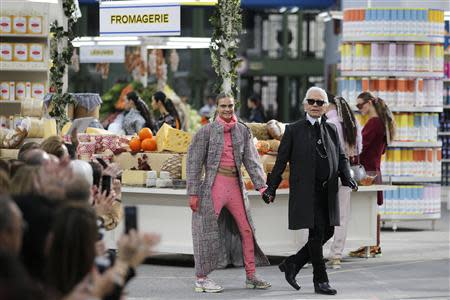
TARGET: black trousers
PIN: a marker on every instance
(318, 236)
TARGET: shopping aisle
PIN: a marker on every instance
(414, 265)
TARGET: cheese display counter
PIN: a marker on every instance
(166, 211)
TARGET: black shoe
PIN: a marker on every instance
(324, 288)
(290, 271)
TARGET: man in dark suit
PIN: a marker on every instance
(316, 161)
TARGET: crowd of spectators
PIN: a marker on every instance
(54, 212)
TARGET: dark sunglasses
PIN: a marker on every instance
(318, 102)
(361, 105)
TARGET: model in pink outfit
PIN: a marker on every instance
(226, 192)
(220, 149)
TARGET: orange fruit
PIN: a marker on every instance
(149, 144)
(145, 133)
(135, 144)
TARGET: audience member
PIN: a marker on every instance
(55, 145)
(25, 148)
(35, 157)
(11, 226)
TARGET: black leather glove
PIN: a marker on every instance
(269, 195)
(350, 182)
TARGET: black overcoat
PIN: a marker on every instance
(297, 148)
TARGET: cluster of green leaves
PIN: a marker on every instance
(61, 39)
(227, 24)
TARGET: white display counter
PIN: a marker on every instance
(166, 211)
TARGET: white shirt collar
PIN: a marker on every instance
(313, 120)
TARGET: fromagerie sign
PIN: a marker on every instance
(138, 18)
(102, 54)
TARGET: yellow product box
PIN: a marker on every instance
(170, 139)
(134, 178)
(4, 90)
(20, 90)
(19, 24)
(6, 51)
(37, 90)
(20, 52)
(5, 24)
(154, 160)
(34, 25)
(36, 52)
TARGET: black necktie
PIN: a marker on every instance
(319, 143)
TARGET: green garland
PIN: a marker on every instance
(227, 24)
(61, 39)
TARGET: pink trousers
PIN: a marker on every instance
(227, 193)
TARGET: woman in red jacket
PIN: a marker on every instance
(378, 132)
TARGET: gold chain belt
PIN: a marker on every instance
(229, 172)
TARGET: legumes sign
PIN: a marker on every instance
(119, 18)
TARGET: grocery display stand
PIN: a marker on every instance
(374, 28)
(34, 74)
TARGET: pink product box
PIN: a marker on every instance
(86, 149)
(83, 137)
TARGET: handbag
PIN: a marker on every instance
(358, 171)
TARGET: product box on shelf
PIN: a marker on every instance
(19, 24)
(20, 52)
(5, 24)
(148, 160)
(6, 51)
(36, 52)
(34, 25)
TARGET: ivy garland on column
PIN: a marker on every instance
(61, 50)
(227, 24)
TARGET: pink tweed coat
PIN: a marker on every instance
(217, 241)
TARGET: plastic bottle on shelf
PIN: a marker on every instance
(368, 22)
(366, 57)
(358, 57)
(399, 28)
(374, 57)
(392, 57)
(408, 25)
(390, 93)
(413, 23)
(419, 98)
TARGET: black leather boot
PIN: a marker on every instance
(290, 271)
(324, 288)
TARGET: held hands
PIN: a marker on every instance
(194, 202)
(268, 195)
(351, 183)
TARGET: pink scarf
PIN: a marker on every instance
(227, 126)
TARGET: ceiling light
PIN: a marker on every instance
(294, 10)
(45, 1)
(119, 43)
(283, 10)
(81, 44)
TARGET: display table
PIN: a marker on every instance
(166, 211)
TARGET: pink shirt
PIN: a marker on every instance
(227, 158)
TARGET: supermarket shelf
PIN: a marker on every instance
(23, 66)
(446, 106)
(411, 217)
(410, 109)
(417, 109)
(43, 35)
(387, 38)
(392, 74)
(10, 101)
(446, 160)
(416, 144)
(443, 133)
(446, 80)
(412, 179)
